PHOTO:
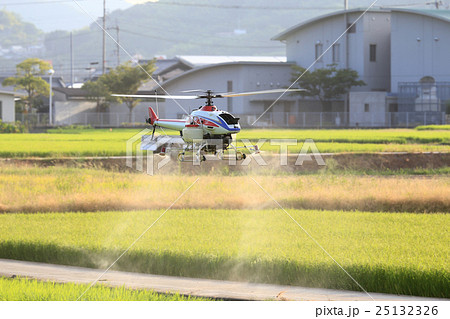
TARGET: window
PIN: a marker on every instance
(1, 111)
(352, 28)
(393, 107)
(336, 52)
(319, 51)
(229, 119)
(366, 107)
(373, 53)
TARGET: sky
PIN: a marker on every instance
(50, 15)
(69, 16)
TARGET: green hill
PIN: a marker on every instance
(200, 27)
(14, 31)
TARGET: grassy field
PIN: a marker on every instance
(60, 189)
(392, 253)
(22, 289)
(104, 142)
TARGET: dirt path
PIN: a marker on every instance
(365, 161)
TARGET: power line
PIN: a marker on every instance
(198, 43)
(223, 6)
(34, 2)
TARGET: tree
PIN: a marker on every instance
(126, 79)
(28, 78)
(99, 92)
(326, 83)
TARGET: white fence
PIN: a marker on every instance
(343, 119)
(270, 119)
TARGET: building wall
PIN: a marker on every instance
(7, 108)
(420, 47)
(243, 77)
(85, 112)
(374, 116)
(377, 30)
(67, 112)
(372, 28)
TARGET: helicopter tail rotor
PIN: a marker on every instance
(153, 116)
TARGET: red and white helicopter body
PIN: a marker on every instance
(208, 118)
(205, 130)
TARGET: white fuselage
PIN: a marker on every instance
(212, 122)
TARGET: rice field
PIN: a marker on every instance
(388, 229)
(103, 142)
(23, 289)
(391, 253)
(61, 189)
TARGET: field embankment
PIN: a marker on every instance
(342, 163)
(391, 253)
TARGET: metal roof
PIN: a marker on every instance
(202, 60)
(438, 14)
(204, 67)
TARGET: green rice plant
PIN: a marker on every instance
(102, 142)
(23, 289)
(370, 136)
(390, 253)
(433, 127)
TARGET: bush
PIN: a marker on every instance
(69, 129)
(16, 127)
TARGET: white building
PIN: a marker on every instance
(7, 106)
(365, 48)
(401, 52)
(420, 41)
(233, 77)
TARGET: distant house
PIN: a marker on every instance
(73, 106)
(8, 98)
(7, 106)
(234, 77)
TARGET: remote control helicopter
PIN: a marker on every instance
(207, 130)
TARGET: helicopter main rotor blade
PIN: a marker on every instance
(167, 97)
(192, 91)
(259, 92)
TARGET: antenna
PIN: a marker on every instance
(71, 61)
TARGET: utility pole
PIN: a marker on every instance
(117, 42)
(71, 60)
(104, 38)
(118, 45)
(347, 23)
(346, 97)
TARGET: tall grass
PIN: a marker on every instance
(391, 253)
(23, 289)
(69, 189)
